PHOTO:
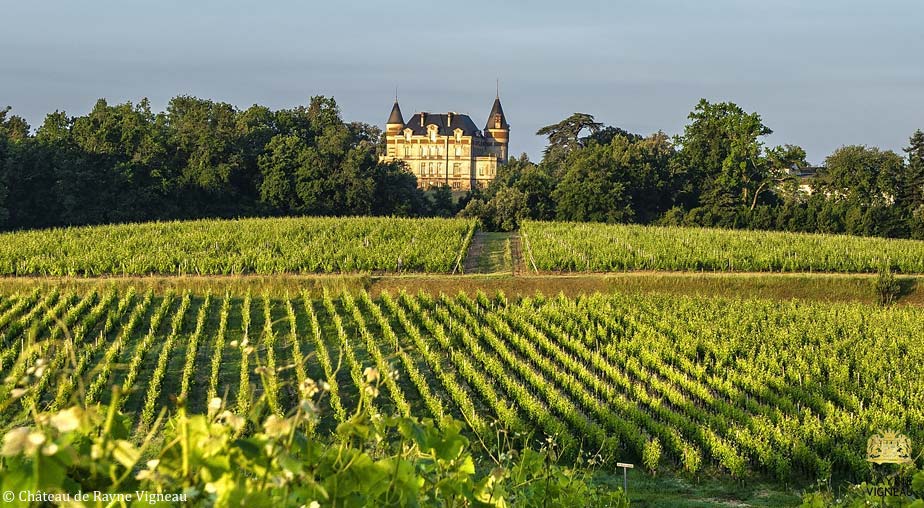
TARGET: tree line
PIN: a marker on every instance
(200, 158)
(718, 172)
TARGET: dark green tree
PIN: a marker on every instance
(122, 150)
(565, 136)
(510, 206)
(440, 201)
(5, 140)
(625, 180)
(647, 171)
(282, 161)
(31, 179)
(605, 135)
(354, 183)
(594, 187)
(911, 190)
(396, 191)
(207, 151)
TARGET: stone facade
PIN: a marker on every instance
(448, 148)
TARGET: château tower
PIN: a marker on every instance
(497, 130)
(395, 121)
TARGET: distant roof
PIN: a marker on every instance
(395, 116)
(806, 172)
(445, 127)
(496, 109)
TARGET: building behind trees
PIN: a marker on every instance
(448, 148)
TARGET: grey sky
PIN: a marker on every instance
(821, 73)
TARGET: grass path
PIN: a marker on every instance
(490, 253)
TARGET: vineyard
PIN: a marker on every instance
(589, 247)
(694, 384)
(254, 246)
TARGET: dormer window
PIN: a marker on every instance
(458, 133)
(431, 131)
(407, 135)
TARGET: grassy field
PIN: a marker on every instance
(593, 247)
(802, 286)
(490, 253)
(672, 489)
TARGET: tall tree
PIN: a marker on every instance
(911, 191)
(5, 140)
(124, 147)
(396, 191)
(31, 174)
(594, 187)
(279, 165)
(207, 150)
(625, 180)
(565, 136)
(722, 156)
(13, 128)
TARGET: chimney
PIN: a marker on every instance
(449, 119)
(423, 118)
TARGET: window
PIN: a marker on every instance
(457, 169)
(431, 167)
(423, 168)
(439, 150)
(407, 150)
(439, 168)
(458, 151)
(480, 170)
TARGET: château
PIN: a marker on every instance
(448, 148)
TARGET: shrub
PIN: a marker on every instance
(888, 289)
(651, 454)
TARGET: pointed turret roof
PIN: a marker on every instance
(496, 110)
(395, 116)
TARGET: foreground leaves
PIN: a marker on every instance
(200, 460)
